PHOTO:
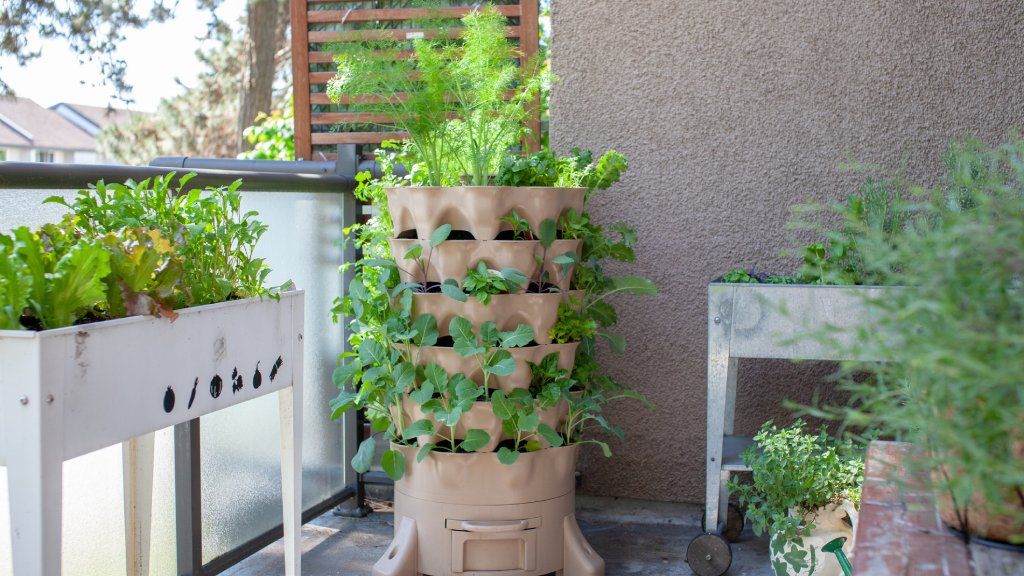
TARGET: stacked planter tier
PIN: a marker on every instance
(468, 514)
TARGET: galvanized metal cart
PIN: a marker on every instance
(758, 321)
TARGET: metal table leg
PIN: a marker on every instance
(721, 389)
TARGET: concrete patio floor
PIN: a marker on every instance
(633, 536)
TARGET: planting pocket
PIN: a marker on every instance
(450, 260)
(453, 363)
(507, 311)
(477, 209)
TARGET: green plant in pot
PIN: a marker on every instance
(805, 492)
(467, 265)
(952, 385)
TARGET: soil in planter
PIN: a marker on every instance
(446, 446)
(511, 235)
(545, 288)
(511, 445)
(453, 235)
(449, 342)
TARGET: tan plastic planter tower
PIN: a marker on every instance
(468, 514)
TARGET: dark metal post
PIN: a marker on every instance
(352, 423)
(188, 499)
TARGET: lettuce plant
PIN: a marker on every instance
(145, 247)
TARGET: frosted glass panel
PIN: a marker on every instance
(25, 208)
(240, 461)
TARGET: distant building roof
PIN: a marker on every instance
(23, 123)
(92, 119)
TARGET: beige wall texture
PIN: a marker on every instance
(730, 112)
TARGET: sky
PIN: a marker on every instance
(155, 55)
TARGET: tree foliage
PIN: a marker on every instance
(93, 29)
(201, 121)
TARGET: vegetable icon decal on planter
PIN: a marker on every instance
(216, 385)
(236, 381)
(169, 400)
(192, 397)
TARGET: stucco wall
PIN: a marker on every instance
(729, 112)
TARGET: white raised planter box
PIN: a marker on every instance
(70, 391)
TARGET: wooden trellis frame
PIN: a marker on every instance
(312, 67)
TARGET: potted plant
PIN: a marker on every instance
(474, 316)
(805, 493)
(144, 307)
(952, 384)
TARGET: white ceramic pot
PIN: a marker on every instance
(804, 557)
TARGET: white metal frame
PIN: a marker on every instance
(765, 321)
(70, 391)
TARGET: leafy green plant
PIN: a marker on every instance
(446, 399)
(482, 282)
(795, 473)
(377, 376)
(144, 273)
(878, 205)
(212, 237)
(578, 170)
(520, 227)
(437, 237)
(742, 276)
(574, 324)
(14, 285)
(272, 137)
(952, 382)
(583, 320)
(520, 419)
(130, 249)
(541, 168)
(490, 346)
(64, 284)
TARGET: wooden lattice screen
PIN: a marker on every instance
(321, 125)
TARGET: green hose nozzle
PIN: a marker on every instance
(836, 547)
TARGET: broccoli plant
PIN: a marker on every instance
(446, 399)
(490, 346)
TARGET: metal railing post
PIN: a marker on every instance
(188, 499)
(352, 423)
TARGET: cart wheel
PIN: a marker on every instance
(734, 522)
(709, 555)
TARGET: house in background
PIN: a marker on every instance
(64, 133)
(92, 119)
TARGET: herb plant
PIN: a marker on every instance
(462, 102)
(794, 474)
(952, 382)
